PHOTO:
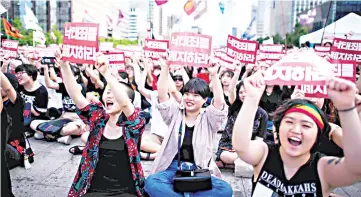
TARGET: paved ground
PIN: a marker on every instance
(54, 169)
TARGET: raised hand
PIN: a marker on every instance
(298, 94)
(213, 67)
(255, 85)
(102, 63)
(238, 65)
(341, 92)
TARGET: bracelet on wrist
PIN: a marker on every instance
(346, 110)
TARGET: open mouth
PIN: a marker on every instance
(109, 104)
(294, 141)
(189, 104)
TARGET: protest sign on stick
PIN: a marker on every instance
(302, 68)
(271, 52)
(243, 50)
(10, 48)
(116, 61)
(189, 49)
(80, 42)
(346, 50)
(322, 51)
(155, 48)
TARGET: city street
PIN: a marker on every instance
(54, 169)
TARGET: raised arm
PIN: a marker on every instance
(337, 172)
(249, 151)
(218, 98)
(173, 90)
(232, 86)
(48, 82)
(97, 82)
(8, 88)
(70, 83)
(142, 80)
(118, 90)
(163, 82)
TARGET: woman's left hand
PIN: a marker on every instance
(213, 67)
(341, 92)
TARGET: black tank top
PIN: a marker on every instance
(272, 180)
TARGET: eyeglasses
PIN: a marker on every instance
(178, 79)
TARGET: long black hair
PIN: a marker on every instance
(237, 104)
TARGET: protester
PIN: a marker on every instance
(34, 94)
(198, 130)
(298, 124)
(115, 132)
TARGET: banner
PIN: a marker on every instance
(243, 50)
(80, 42)
(116, 61)
(344, 70)
(272, 52)
(223, 58)
(346, 50)
(322, 51)
(189, 49)
(303, 68)
(155, 48)
(45, 52)
(10, 48)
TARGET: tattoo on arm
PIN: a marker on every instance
(337, 161)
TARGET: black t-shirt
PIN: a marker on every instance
(38, 99)
(15, 111)
(272, 181)
(186, 151)
(68, 103)
(6, 189)
(112, 175)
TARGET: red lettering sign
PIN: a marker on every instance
(243, 50)
(80, 42)
(116, 61)
(189, 49)
(344, 70)
(155, 48)
(272, 52)
(10, 48)
(346, 50)
(322, 51)
(305, 68)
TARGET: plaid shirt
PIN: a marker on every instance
(132, 127)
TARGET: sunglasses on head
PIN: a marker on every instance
(178, 78)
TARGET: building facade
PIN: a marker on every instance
(48, 12)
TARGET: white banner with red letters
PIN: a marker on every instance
(346, 50)
(80, 42)
(272, 52)
(155, 48)
(322, 51)
(344, 70)
(10, 48)
(116, 61)
(243, 50)
(189, 49)
(302, 68)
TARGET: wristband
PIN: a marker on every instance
(346, 110)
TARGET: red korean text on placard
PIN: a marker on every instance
(243, 50)
(80, 42)
(271, 52)
(155, 48)
(116, 61)
(190, 49)
(344, 70)
(346, 50)
(10, 48)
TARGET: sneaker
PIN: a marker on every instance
(242, 169)
(38, 136)
(65, 140)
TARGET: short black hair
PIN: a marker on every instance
(76, 72)
(197, 86)
(129, 90)
(230, 73)
(123, 75)
(308, 44)
(29, 69)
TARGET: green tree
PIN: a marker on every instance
(294, 37)
(277, 39)
(260, 40)
(58, 35)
